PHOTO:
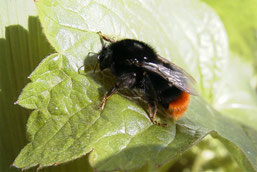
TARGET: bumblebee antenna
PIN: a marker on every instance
(106, 38)
(102, 38)
(96, 64)
(80, 68)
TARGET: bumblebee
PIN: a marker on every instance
(137, 66)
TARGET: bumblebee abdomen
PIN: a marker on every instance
(179, 106)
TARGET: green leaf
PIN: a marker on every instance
(66, 122)
(234, 96)
(239, 18)
(22, 47)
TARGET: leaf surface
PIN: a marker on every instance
(66, 122)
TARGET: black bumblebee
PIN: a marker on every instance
(137, 66)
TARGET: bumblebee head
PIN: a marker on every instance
(105, 58)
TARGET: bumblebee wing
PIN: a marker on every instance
(177, 68)
(172, 73)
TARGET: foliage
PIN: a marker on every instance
(66, 123)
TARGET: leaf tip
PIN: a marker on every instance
(57, 163)
(15, 166)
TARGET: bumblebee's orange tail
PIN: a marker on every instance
(179, 106)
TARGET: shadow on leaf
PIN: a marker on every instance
(21, 51)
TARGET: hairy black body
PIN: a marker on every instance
(137, 66)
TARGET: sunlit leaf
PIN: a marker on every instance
(66, 122)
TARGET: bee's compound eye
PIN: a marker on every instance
(100, 57)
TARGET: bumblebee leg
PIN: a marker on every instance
(108, 95)
(151, 100)
(124, 81)
(152, 111)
